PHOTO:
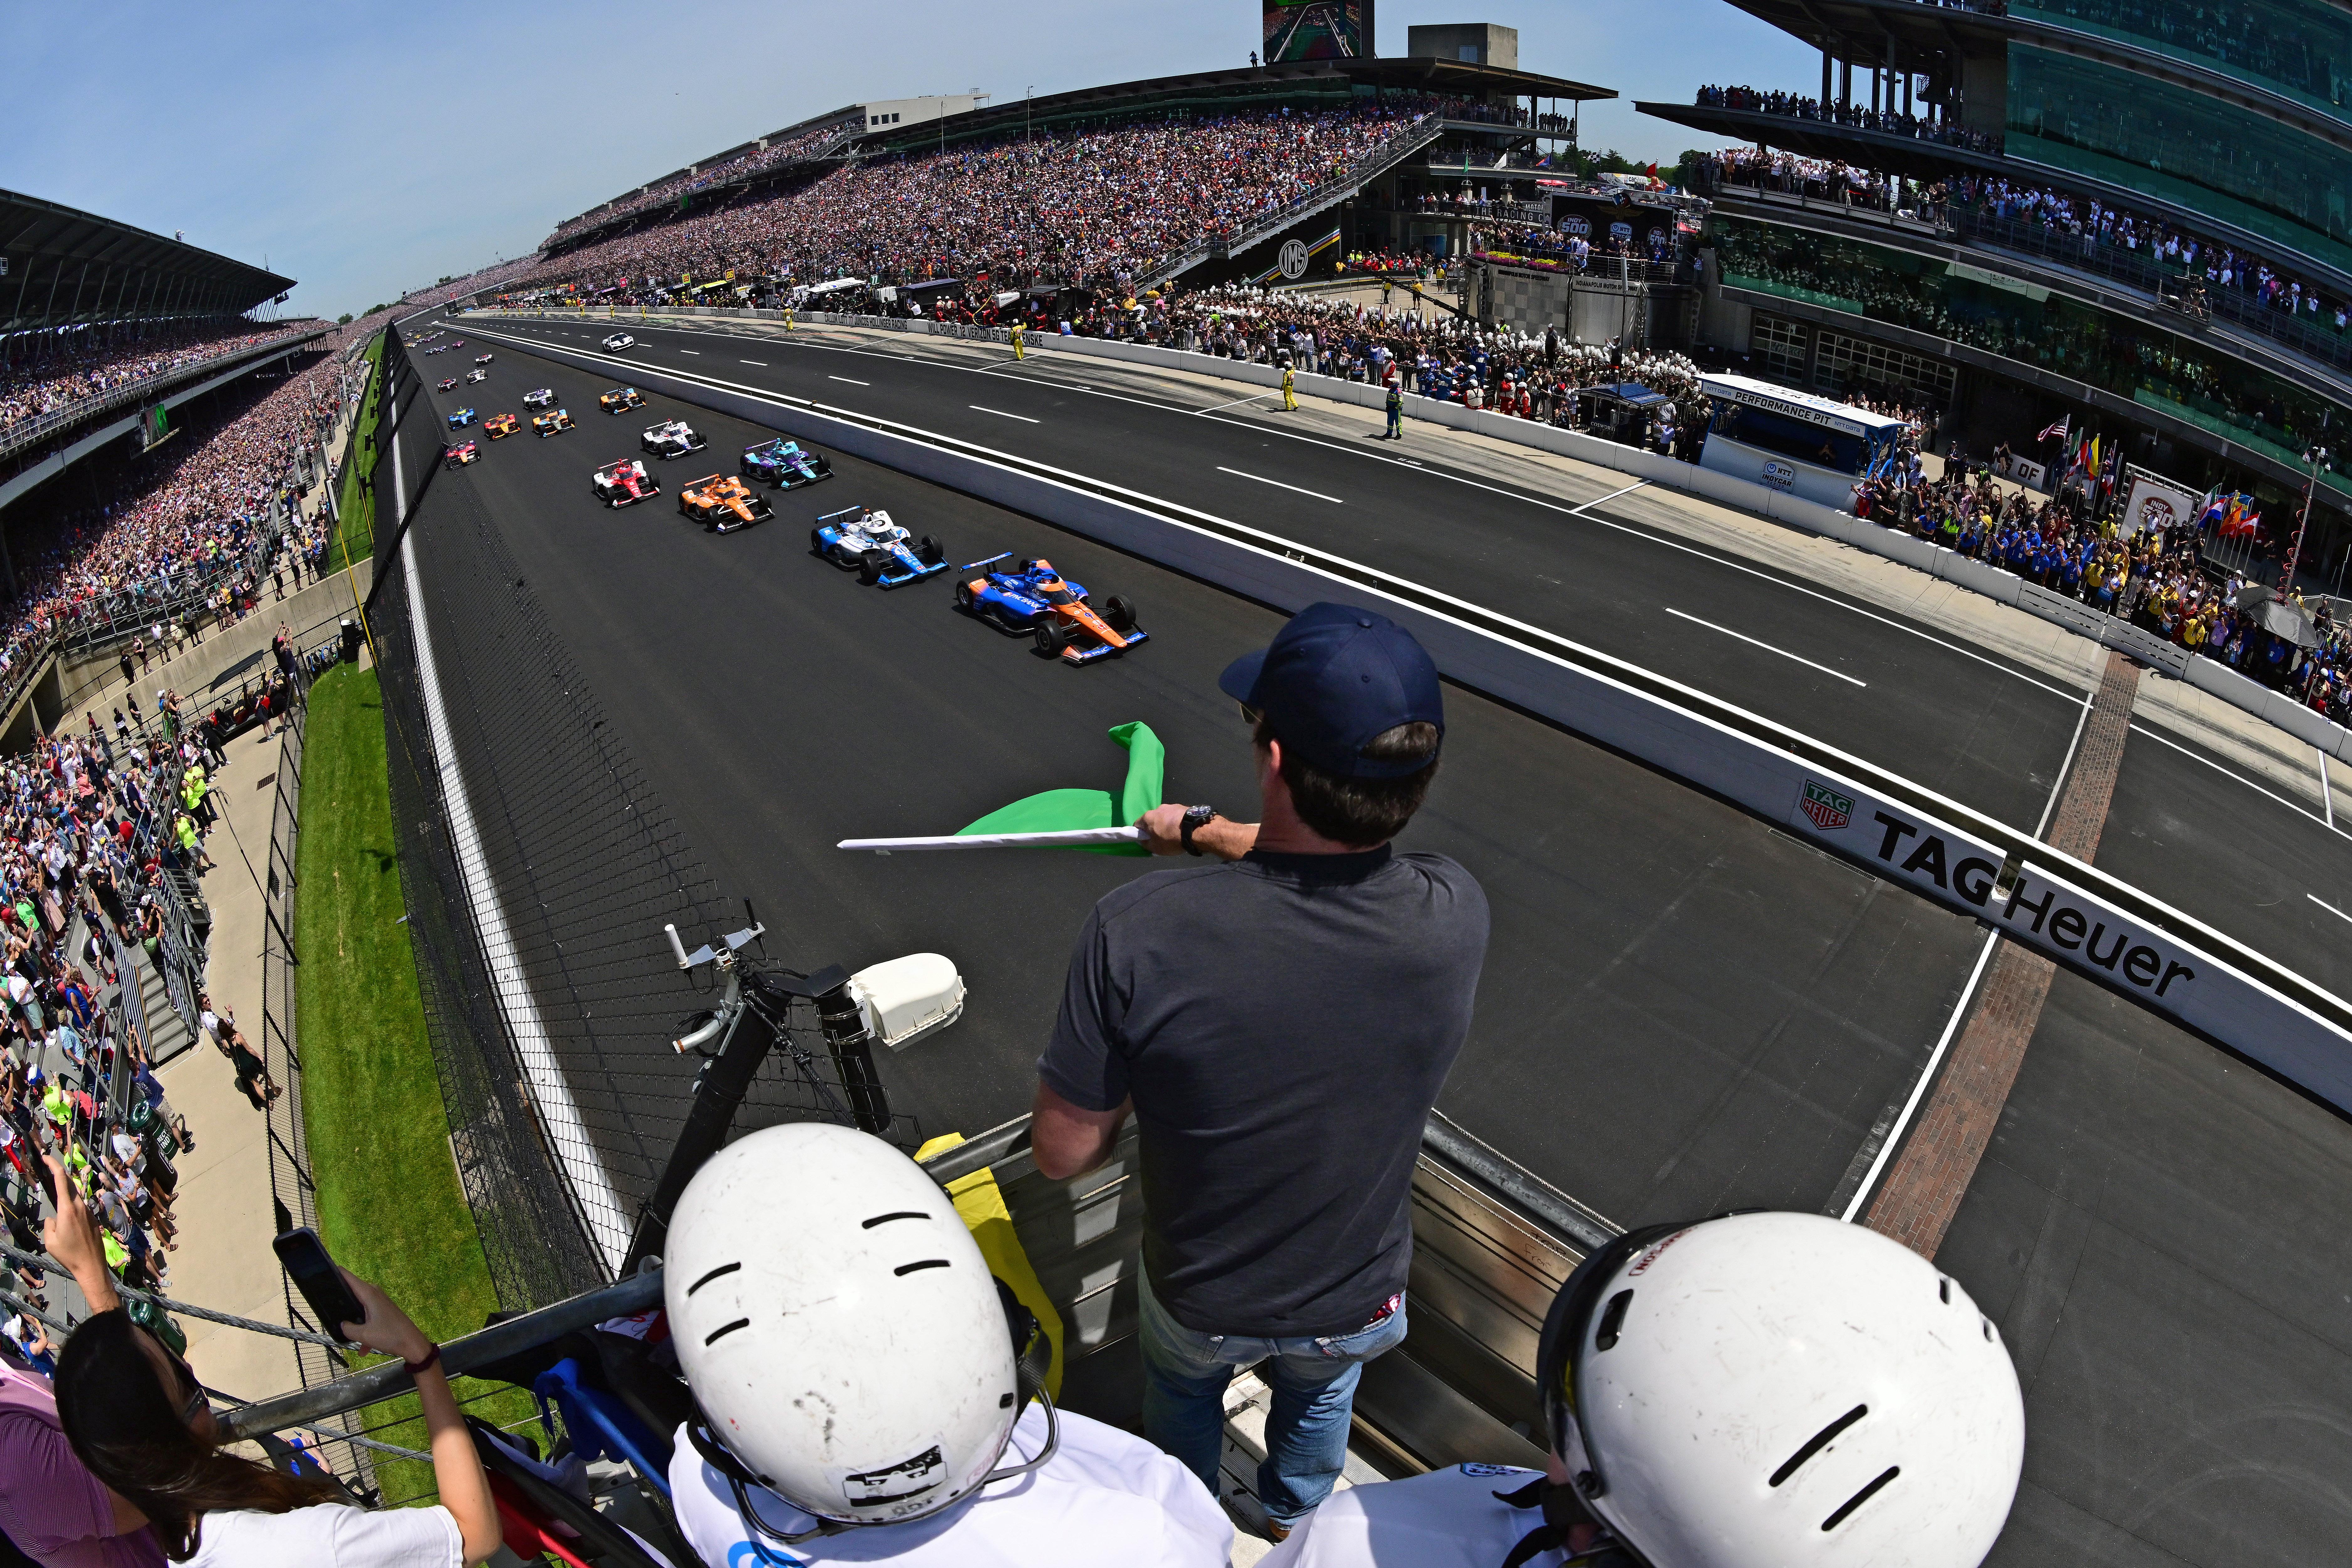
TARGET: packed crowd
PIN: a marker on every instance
(2157, 579)
(1785, 171)
(757, 161)
(1086, 206)
(1854, 116)
(48, 370)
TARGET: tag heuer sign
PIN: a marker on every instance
(1828, 809)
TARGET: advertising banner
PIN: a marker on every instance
(2156, 501)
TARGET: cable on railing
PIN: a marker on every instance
(183, 1308)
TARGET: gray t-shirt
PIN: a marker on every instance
(1284, 1024)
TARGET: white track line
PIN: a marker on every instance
(1237, 403)
(2233, 774)
(1926, 1075)
(2331, 909)
(1277, 484)
(979, 408)
(760, 363)
(2327, 792)
(568, 1139)
(1613, 494)
(1768, 648)
(851, 379)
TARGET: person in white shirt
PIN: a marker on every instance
(1754, 1390)
(866, 1391)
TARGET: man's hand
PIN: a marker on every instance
(1163, 834)
(70, 1236)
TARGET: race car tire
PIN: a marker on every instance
(870, 567)
(931, 551)
(963, 597)
(1120, 614)
(816, 544)
(1051, 638)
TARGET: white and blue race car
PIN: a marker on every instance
(884, 555)
(544, 397)
(673, 438)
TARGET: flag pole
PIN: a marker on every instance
(1066, 839)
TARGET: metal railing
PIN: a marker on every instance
(31, 432)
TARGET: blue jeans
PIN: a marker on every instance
(1314, 1381)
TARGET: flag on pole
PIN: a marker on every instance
(2057, 432)
(1065, 810)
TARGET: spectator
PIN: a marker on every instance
(1278, 1024)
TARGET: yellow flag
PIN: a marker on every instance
(981, 1205)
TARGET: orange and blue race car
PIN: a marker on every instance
(498, 425)
(621, 399)
(723, 503)
(624, 483)
(459, 455)
(1036, 599)
(553, 423)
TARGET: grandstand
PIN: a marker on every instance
(2038, 213)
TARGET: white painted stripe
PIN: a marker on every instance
(1926, 1075)
(1237, 403)
(696, 352)
(760, 363)
(2233, 774)
(851, 379)
(592, 1187)
(2327, 792)
(1277, 484)
(1613, 494)
(2331, 909)
(1768, 648)
(998, 411)
(2081, 720)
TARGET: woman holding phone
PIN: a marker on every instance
(139, 1422)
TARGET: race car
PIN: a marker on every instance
(553, 423)
(498, 425)
(865, 537)
(781, 462)
(618, 341)
(1033, 597)
(446, 385)
(624, 483)
(482, 359)
(621, 399)
(459, 455)
(459, 420)
(539, 399)
(723, 503)
(474, 375)
(673, 438)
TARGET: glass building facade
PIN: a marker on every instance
(2300, 49)
(2029, 325)
(2288, 186)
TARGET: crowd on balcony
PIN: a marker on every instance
(1093, 206)
(742, 166)
(48, 371)
(1857, 117)
(2073, 543)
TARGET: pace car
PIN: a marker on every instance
(621, 399)
(474, 375)
(673, 438)
(540, 398)
(618, 341)
(551, 424)
(459, 420)
(724, 503)
(1033, 597)
(459, 455)
(498, 425)
(446, 385)
(864, 537)
(782, 462)
(482, 359)
(624, 483)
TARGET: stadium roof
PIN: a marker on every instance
(64, 267)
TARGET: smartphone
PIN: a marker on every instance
(49, 1183)
(322, 1283)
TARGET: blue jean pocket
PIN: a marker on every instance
(1368, 1341)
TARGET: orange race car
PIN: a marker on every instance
(498, 425)
(723, 503)
(621, 399)
(552, 423)
(1036, 600)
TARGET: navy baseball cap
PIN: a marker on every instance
(1333, 678)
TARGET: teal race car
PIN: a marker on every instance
(785, 463)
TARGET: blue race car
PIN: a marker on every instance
(865, 537)
(459, 420)
(1034, 598)
(781, 462)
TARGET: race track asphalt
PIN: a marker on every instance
(1682, 1009)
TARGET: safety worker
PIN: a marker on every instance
(788, 318)
(865, 1390)
(1290, 399)
(1017, 336)
(1396, 411)
(1752, 1391)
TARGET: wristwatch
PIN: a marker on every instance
(1195, 817)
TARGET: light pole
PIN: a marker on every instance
(2318, 457)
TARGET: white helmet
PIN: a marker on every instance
(1763, 1390)
(841, 1332)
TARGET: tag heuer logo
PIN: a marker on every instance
(1828, 809)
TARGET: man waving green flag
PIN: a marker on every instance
(1063, 810)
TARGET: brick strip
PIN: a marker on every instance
(1931, 1175)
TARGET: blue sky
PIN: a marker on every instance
(366, 152)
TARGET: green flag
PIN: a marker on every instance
(1060, 810)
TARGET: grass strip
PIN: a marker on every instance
(390, 1206)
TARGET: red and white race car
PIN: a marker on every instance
(461, 453)
(624, 483)
(446, 385)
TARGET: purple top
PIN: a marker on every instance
(56, 1511)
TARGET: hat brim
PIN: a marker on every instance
(1240, 678)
